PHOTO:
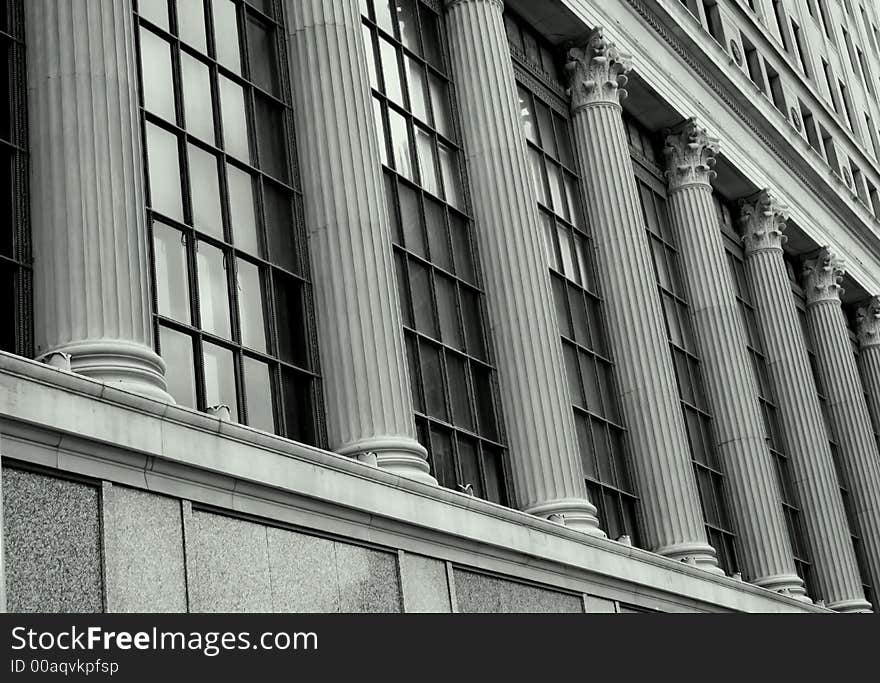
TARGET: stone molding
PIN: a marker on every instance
(762, 221)
(690, 156)
(821, 277)
(596, 72)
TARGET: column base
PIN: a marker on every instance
(126, 365)
(574, 513)
(698, 555)
(785, 584)
(851, 606)
(398, 455)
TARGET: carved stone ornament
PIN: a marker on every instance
(868, 323)
(762, 222)
(596, 72)
(690, 156)
(821, 277)
(736, 52)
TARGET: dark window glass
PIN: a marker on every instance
(15, 243)
(453, 382)
(233, 301)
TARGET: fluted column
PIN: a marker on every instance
(363, 362)
(91, 277)
(857, 448)
(868, 333)
(762, 223)
(540, 424)
(645, 376)
(737, 423)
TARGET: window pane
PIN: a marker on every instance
(464, 264)
(436, 228)
(298, 400)
(422, 301)
(427, 162)
(226, 35)
(155, 11)
(291, 316)
(164, 172)
(390, 71)
(432, 378)
(177, 352)
(280, 227)
(448, 312)
(219, 378)
(380, 131)
(235, 135)
(400, 144)
(157, 82)
(410, 214)
(462, 415)
(241, 210)
(258, 390)
(205, 188)
(172, 288)
(431, 37)
(527, 115)
(415, 76)
(408, 23)
(197, 98)
(470, 311)
(482, 383)
(261, 53)
(538, 176)
(367, 36)
(271, 137)
(440, 104)
(250, 306)
(451, 178)
(545, 126)
(470, 465)
(443, 460)
(213, 291)
(191, 23)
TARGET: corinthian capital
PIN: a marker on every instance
(821, 277)
(690, 156)
(596, 72)
(762, 222)
(868, 323)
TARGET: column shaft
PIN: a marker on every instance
(645, 375)
(91, 270)
(540, 423)
(740, 441)
(857, 449)
(363, 362)
(800, 416)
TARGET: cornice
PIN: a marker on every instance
(726, 91)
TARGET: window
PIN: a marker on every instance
(232, 297)
(448, 350)
(588, 365)
(753, 63)
(683, 348)
(766, 396)
(810, 127)
(830, 151)
(777, 94)
(829, 81)
(15, 247)
(801, 49)
(779, 14)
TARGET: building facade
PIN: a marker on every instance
(426, 305)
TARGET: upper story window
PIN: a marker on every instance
(589, 368)
(448, 349)
(15, 247)
(683, 347)
(233, 317)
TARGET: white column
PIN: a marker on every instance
(737, 423)
(649, 399)
(540, 424)
(91, 269)
(363, 362)
(762, 223)
(857, 448)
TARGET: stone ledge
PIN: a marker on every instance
(81, 425)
